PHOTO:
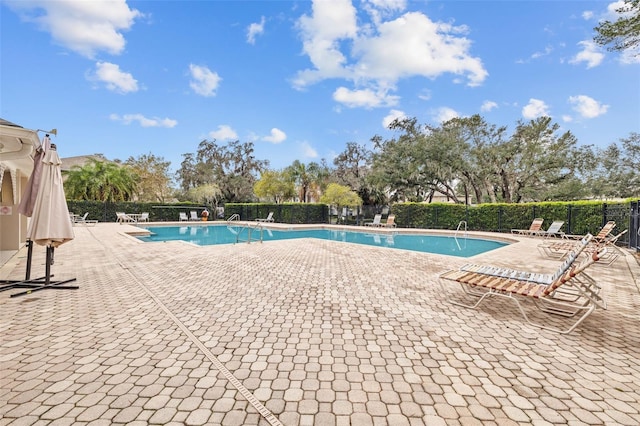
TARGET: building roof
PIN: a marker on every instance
(80, 160)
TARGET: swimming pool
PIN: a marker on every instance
(221, 234)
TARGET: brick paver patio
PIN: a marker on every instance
(301, 332)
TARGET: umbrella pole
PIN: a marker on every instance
(48, 284)
(29, 258)
(27, 282)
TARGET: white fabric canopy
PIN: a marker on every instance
(28, 201)
(50, 224)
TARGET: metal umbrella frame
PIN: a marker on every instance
(50, 225)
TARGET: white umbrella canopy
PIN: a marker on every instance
(28, 201)
(50, 224)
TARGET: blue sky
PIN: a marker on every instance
(300, 79)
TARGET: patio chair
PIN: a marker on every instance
(376, 221)
(600, 236)
(553, 231)
(144, 217)
(122, 217)
(548, 298)
(269, 218)
(391, 221)
(193, 215)
(576, 249)
(82, 220)
(559, 249)
(535, 227)
(183, 217)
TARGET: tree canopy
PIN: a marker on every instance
(233, 168)
(154, 182)
(101, 181)
(624, 33)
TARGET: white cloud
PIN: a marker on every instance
(224, 132)
(425, 94)
(444, 114)
(587, 15)
(113, 78)
(308, 151)
(365, 98)
(375, 55)
(587, 107)
(630, 56)
(547, 51)
(379, 9)
(255, 29)
(488, 106)
(86, 27)
(393, 115)
(534, 109)
(612, 10)
(276, 136)
(567, 118)
(144, 121)
(591, 53)
(203, 81)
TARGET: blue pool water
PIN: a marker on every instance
(209, 235)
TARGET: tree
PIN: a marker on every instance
(275, 185)
(619, 170)
(101, 181)
(624, 33)
(153, 174)
(340, 196)
(208, 194)
(472, 144)
(534, 159)
(232, 167)
(412, 167)
(352, 165)
(308, 178)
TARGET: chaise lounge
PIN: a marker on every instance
(567, 292)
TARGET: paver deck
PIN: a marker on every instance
(301, 332)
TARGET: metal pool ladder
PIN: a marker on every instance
(465, 228)
(248, 227)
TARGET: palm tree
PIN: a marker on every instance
(101, 181)
(308, 178)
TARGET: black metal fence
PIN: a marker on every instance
(578, 218)
(634, 225)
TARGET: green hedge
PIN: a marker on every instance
(106, 212)
(579, 217)
(296, 213)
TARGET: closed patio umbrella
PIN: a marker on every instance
(50, 225)
(30, 193)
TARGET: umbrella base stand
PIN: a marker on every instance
(37, 284)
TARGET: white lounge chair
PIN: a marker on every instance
(82, 220)
(566, 293)
(144, 217)
(376, 221)
(553, 231)
(123, 217)
(183, 217)
(269, 218)
(193, 215)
